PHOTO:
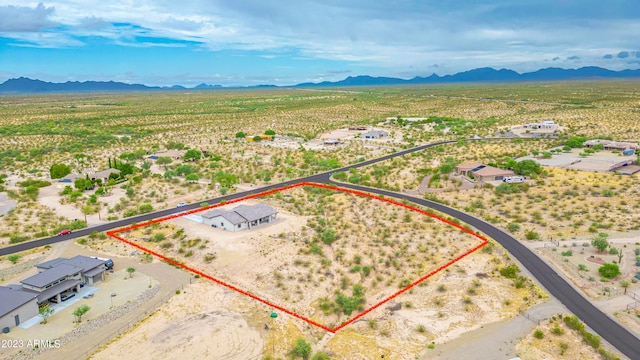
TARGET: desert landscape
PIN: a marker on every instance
(327, 256)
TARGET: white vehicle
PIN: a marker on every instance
(181, 204)
(513, 179)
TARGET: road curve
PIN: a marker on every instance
(319, 178)
(610, 330)
(613, 332)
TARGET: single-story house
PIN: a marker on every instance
(241, 217)
(482, 172)
(173, 154)
(16, 306)
(465, 169)
(612, 145)
(375, 134)
(104, 175)
(70, 178)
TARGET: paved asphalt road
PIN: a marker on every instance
(610, 330)
(319, 178)
(614, 333)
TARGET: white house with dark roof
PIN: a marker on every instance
(375, 134)
(16, 306)
(241, 217)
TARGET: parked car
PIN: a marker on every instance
(64, 232)
(181, 204)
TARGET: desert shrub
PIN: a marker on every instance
(609, 270)
(510, 271)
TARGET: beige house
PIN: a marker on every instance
(481, 172)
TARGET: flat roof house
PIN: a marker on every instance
(375, 134)
(241, 217)
(16, 306)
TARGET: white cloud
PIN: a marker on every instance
(15, 18)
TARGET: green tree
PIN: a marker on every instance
(319, 355)
(192, 178)
(600, 241)
(79, 311)
(257, 138)
(131, 270)
(302, 348)
(527, 168)
(270, 132)
(609, 271)
(192, 155)
(164, 160)
(58, 171)
(446, 168)
(45, 312)
(240, 135)
(225, 179)
(82, 184)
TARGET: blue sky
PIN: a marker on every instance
(250, 42)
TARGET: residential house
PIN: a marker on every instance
(612, 145)
(375, 134)
(241, 217)
(173, 154)
(16, 306)
(481, 172)
(104, 175)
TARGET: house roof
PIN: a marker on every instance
(70, 178)
(376, 133)
(492, 171)
(255, 212)
(83, 262)
(467, 167)
(170, 153)
(47, 277)
(612, 144)
(104, 173)
(51, 263)
(11, 299)
(242, 213)
(230, 215)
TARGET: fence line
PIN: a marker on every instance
(633, 305)
(132, 323)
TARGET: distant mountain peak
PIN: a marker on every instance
(484, 74)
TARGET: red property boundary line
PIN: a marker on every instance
(484, 241)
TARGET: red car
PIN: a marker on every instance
(64, 232)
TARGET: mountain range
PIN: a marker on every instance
(26, 85)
